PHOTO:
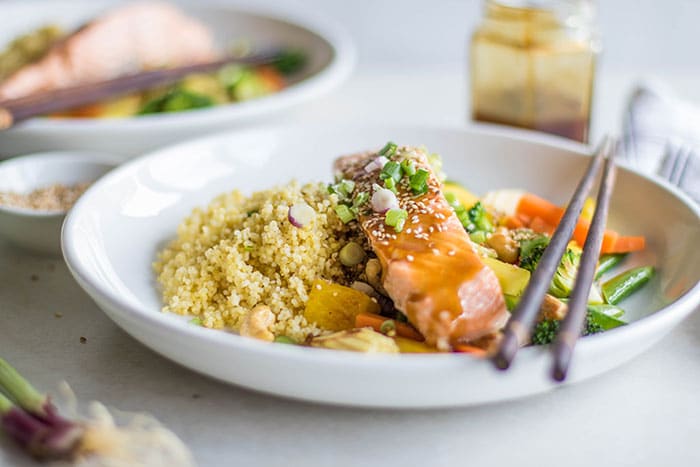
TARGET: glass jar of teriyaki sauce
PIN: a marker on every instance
(533, 65)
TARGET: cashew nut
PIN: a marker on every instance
(257, 323)
(373, 270)
(504, 245)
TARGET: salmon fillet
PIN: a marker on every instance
(430, 269)
(126, 40)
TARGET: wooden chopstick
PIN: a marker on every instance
(519, 327)
(13, 111)
(570, 328)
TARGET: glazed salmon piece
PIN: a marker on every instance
(126, 40)
(430, 268)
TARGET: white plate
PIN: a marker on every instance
(111, 236)
(331, 59)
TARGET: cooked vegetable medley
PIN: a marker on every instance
(389, 257)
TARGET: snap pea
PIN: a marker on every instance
(607, 262)
(285, 340)
(623, 285)
(604, 321)
(608, 310)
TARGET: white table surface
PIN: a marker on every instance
(646, 413)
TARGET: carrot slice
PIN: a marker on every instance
(271, 77)
(539, 225)
(512, 222)
(533, 206)
(470, 349)
(375, 322)
(626, 245)
(544, 212)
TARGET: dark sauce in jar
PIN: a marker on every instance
(533, 66)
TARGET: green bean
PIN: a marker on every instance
(623, 285)
(607, 262)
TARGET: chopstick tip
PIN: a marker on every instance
(562, 359)
(506, 352)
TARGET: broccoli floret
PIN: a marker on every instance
(546, 330)
(531, 252)
(478, 219)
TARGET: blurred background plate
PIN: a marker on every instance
(331, 59)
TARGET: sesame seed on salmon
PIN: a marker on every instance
(430, 268)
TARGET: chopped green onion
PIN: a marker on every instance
(388, 150)
(390, 184)
(343, 188)
(393, 170)
(344, 212)
(388, 327)
(408, 166)
(360, 199)
(196, 322)
(419, 182)
(396, 218)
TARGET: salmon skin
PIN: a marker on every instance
(126, 40)
(430, 268)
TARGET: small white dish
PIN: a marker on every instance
(331, 58)
(111, 237)
(35, 230)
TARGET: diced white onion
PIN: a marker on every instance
(301, 214)
(376, 164)
(383, 200)
(505, 201)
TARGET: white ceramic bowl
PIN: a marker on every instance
(331, 59)
(40, 231)
(111, 237)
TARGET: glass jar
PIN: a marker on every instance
(532, 65)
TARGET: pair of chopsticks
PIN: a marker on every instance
(518, 329)
(13, 111)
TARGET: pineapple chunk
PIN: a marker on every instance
(334, 306)
(411, 346)
(513, 279)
